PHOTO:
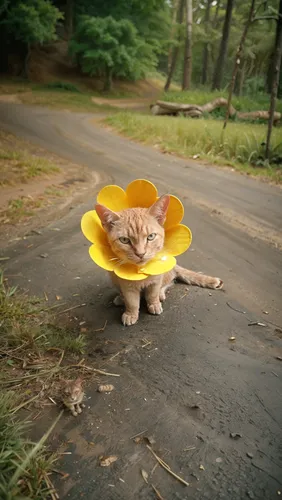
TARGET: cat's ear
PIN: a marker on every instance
(159, 209)
(106, 216)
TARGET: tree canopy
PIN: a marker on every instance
(111, 48)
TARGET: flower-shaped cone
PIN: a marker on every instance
(139, 193)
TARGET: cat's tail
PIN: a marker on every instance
(198, 279)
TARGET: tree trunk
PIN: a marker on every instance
(238, 60)
(69, 18)
(108, 83)
(242, 78)
(217, 78)
(26, 62)
(187, 68)
(206, 46)
(175, 7)
(175, 51)
(275, 80)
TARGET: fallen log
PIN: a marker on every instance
(196, 111)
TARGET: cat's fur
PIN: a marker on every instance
(127, 233)
(73, 395)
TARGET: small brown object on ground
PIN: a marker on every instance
(105, 388)
(106, 461)
(145, 475)
(159, 496)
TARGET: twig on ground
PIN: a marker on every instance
(71, 308)
(114, 356)
(103, 327)
(61, 358)
(139, 434)
(166, 467)
(17, 408)
(190, 448)
(234, 308)
(159, 496)
(96, 370)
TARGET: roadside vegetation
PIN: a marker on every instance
(241, 145)
(33, 349)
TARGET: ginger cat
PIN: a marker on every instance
(136, 235)
(73, 396)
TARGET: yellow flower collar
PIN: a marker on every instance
(139, 193)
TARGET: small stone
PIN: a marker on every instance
(44, 255)
(235, 435)
(250, 494)
(250, 455)
(201, 467)
(218, 460)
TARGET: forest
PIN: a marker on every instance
(230, 46)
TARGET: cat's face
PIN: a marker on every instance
(73, 390)
(135, 235)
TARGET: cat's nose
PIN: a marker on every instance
(140, 255)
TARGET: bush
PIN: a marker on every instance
(69, 87)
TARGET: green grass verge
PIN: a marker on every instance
(239, 146)
(27, 321)
(24, 466)
(61, 99)
(19, 166)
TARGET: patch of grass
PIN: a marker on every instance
(239, 146)
(25, 320)
(24, 466)
(19, 166)
(63, 100)
(20, 209)
(69, 87)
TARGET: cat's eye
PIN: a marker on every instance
(151, 236)
(124, 240)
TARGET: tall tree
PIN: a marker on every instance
(107, 47)
(69, 13)
(206, 46)
(217, 77)
(275, 81)
(187, 67)
(32, 22)
(237, 60)
(175, 51)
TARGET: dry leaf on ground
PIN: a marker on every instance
(106, 461)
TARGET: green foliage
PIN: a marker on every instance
(32, 21)
(23, 465)
(110, 48)
(66, 86)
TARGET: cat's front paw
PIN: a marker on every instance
(215, 283)
(74, 413)
(156, 308)
(129, 319)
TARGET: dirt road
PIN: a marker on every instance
(190, 386)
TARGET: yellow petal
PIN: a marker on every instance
(103, 256)
(177, 240)
(92, 228)
(113, 197)
(129, 272)
(161, 263)
(175, 212)
(141, 193)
